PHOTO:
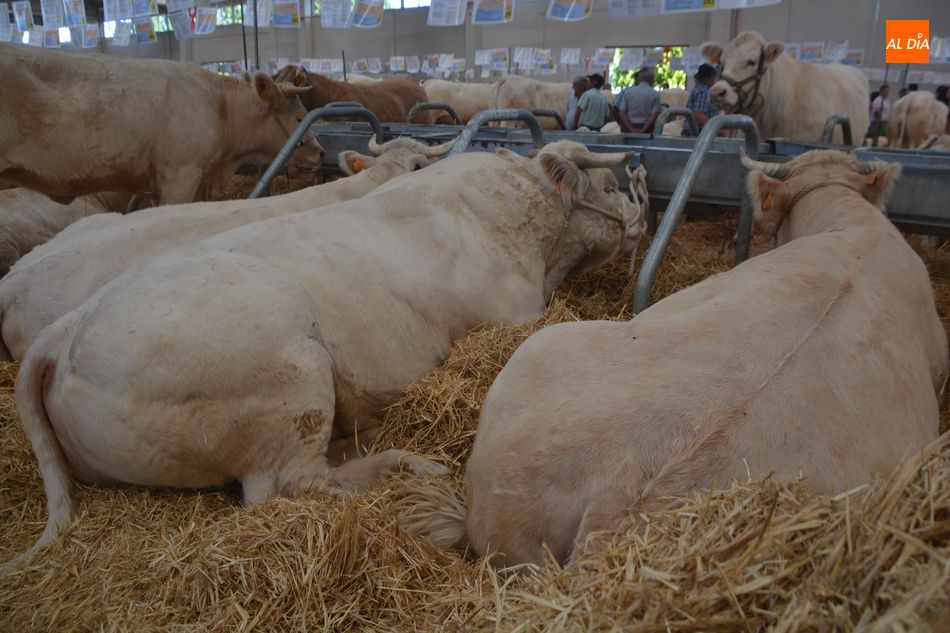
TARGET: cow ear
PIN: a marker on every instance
(353, 162)
(712, 52)
(290, 89)
(767, 196)
(877, 185)
(772, 51)
(562, 174)
(267, 90)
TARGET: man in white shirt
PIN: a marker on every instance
(579, 86)
(881, 111)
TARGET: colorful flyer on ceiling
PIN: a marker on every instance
(52, 11)
(397, 63)
(145, 31)
(182, 24)
(206, 20)
(493, 11)
(265, 9)
(499, 59)
(75, 12)
(287, 14)
(142, 8)
(569, 10)
(686, 6)
(571, 56)
(178, 5)
(90, 35)
(811, 51)
(412, 64)
(335, 14)
(23, 16)
(115, 10)
(633, 8)
(50, 38)
(603, 57)
(367, 14)
(446, 12)
(123, 34)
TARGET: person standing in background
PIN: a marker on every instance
(880, 113)
(593, 109)
(579, 85)
(698, 102)
(638, 106)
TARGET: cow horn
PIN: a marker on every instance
(437, 150)
(594, 159)
(776, 170)
(871, 166)
(290, 89)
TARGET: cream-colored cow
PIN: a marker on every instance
(823, 359)
(914, 118)
(467, 99)
(259, 354)
(58, 276)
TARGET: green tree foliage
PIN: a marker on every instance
(666, 77)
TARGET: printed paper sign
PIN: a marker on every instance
(445, 61)
(793, 50)
(50, 38)
(412, 64)
(115, 10)
(178, 5)
(493, 11)
(6, 29)
(206, 20)
(522, 56)
(602, 57)
(745, 4)
(633, 8)
(940, 51)
(265, 9)
(499, 59)
(569, 10)
(182, 24)
(543, 61)
(571, 56)
(630, 58)
(145, 31)
(470, 74)
(653, 57)
(335, 14)
(75, 12)
(23, 16)
(52, 11)
(908, 41)
(397, 63)
(123, 34)
(142, 8)
(36, 36)
(286, 14)
(811, 51)
(375, 65)
(458, 66)
(854, 57)
(483, 57)
(686, 6)
(835, 52)
(367, 14)
(90, 35)
(446, 12)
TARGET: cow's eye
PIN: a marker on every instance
(610, 189)
(750, 63)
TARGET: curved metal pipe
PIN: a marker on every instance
(433, 106)
(344, 104)
(330, 111)
(477, 121)
(844, 122)
(670, 113)
(654, 256)
(551, 114)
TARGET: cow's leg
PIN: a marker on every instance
(362, 473)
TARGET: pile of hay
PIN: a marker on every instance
(757, 556)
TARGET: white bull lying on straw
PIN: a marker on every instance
(824, 358)
(262, 353)
(64, 272)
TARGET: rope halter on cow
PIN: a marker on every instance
(747, 103)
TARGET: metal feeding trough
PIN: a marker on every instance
(694, 169)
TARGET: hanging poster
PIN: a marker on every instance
(571, 56)
(359, 66)
(745, 4)
(179, 5)
(335, 14)
(123, 34)
(602, 57)
(50, 38)
(940, 51)
(182, 24)
(145, 31)
(90, 35)
(458, 66)
(265, 9)
(686, 6)
(630, 58)
(633, 8)
(75, 12)
(446, 12)
(397, 63)
(286, 14)
(469, 74)
(543, 61)
(206, 20)
(569, 10)
(835, 52)
(854, 57)
(811, 51)
(6, 29)
(374, 65)
(793, 50)
(412, 64)
(523, 56)
(367, 14)
(35, 37)
(52, 11)
(499, 59)
(115, 10)
(142, 8)
(23, 16)
(445, 61)
(482, 56)
(493, 11)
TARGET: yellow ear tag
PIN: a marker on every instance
(767, 203)
(872, 180)
(359, 165)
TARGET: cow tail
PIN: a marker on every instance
(5, 355)
(434, 509)
(36, 372)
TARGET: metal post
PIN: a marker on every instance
(465, 138)
(670, 113)
(654, 256)
(257, 52)
(837, 119)
(244, 37)
(343, 56)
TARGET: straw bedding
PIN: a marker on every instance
(759, 556)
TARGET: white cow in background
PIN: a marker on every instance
(58, 276)
(467, 99)
(786, 97)
(525, 93)
(914, 118)
(252, 355)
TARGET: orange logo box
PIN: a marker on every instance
(907, 41)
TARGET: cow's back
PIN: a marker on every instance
(914, 117)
